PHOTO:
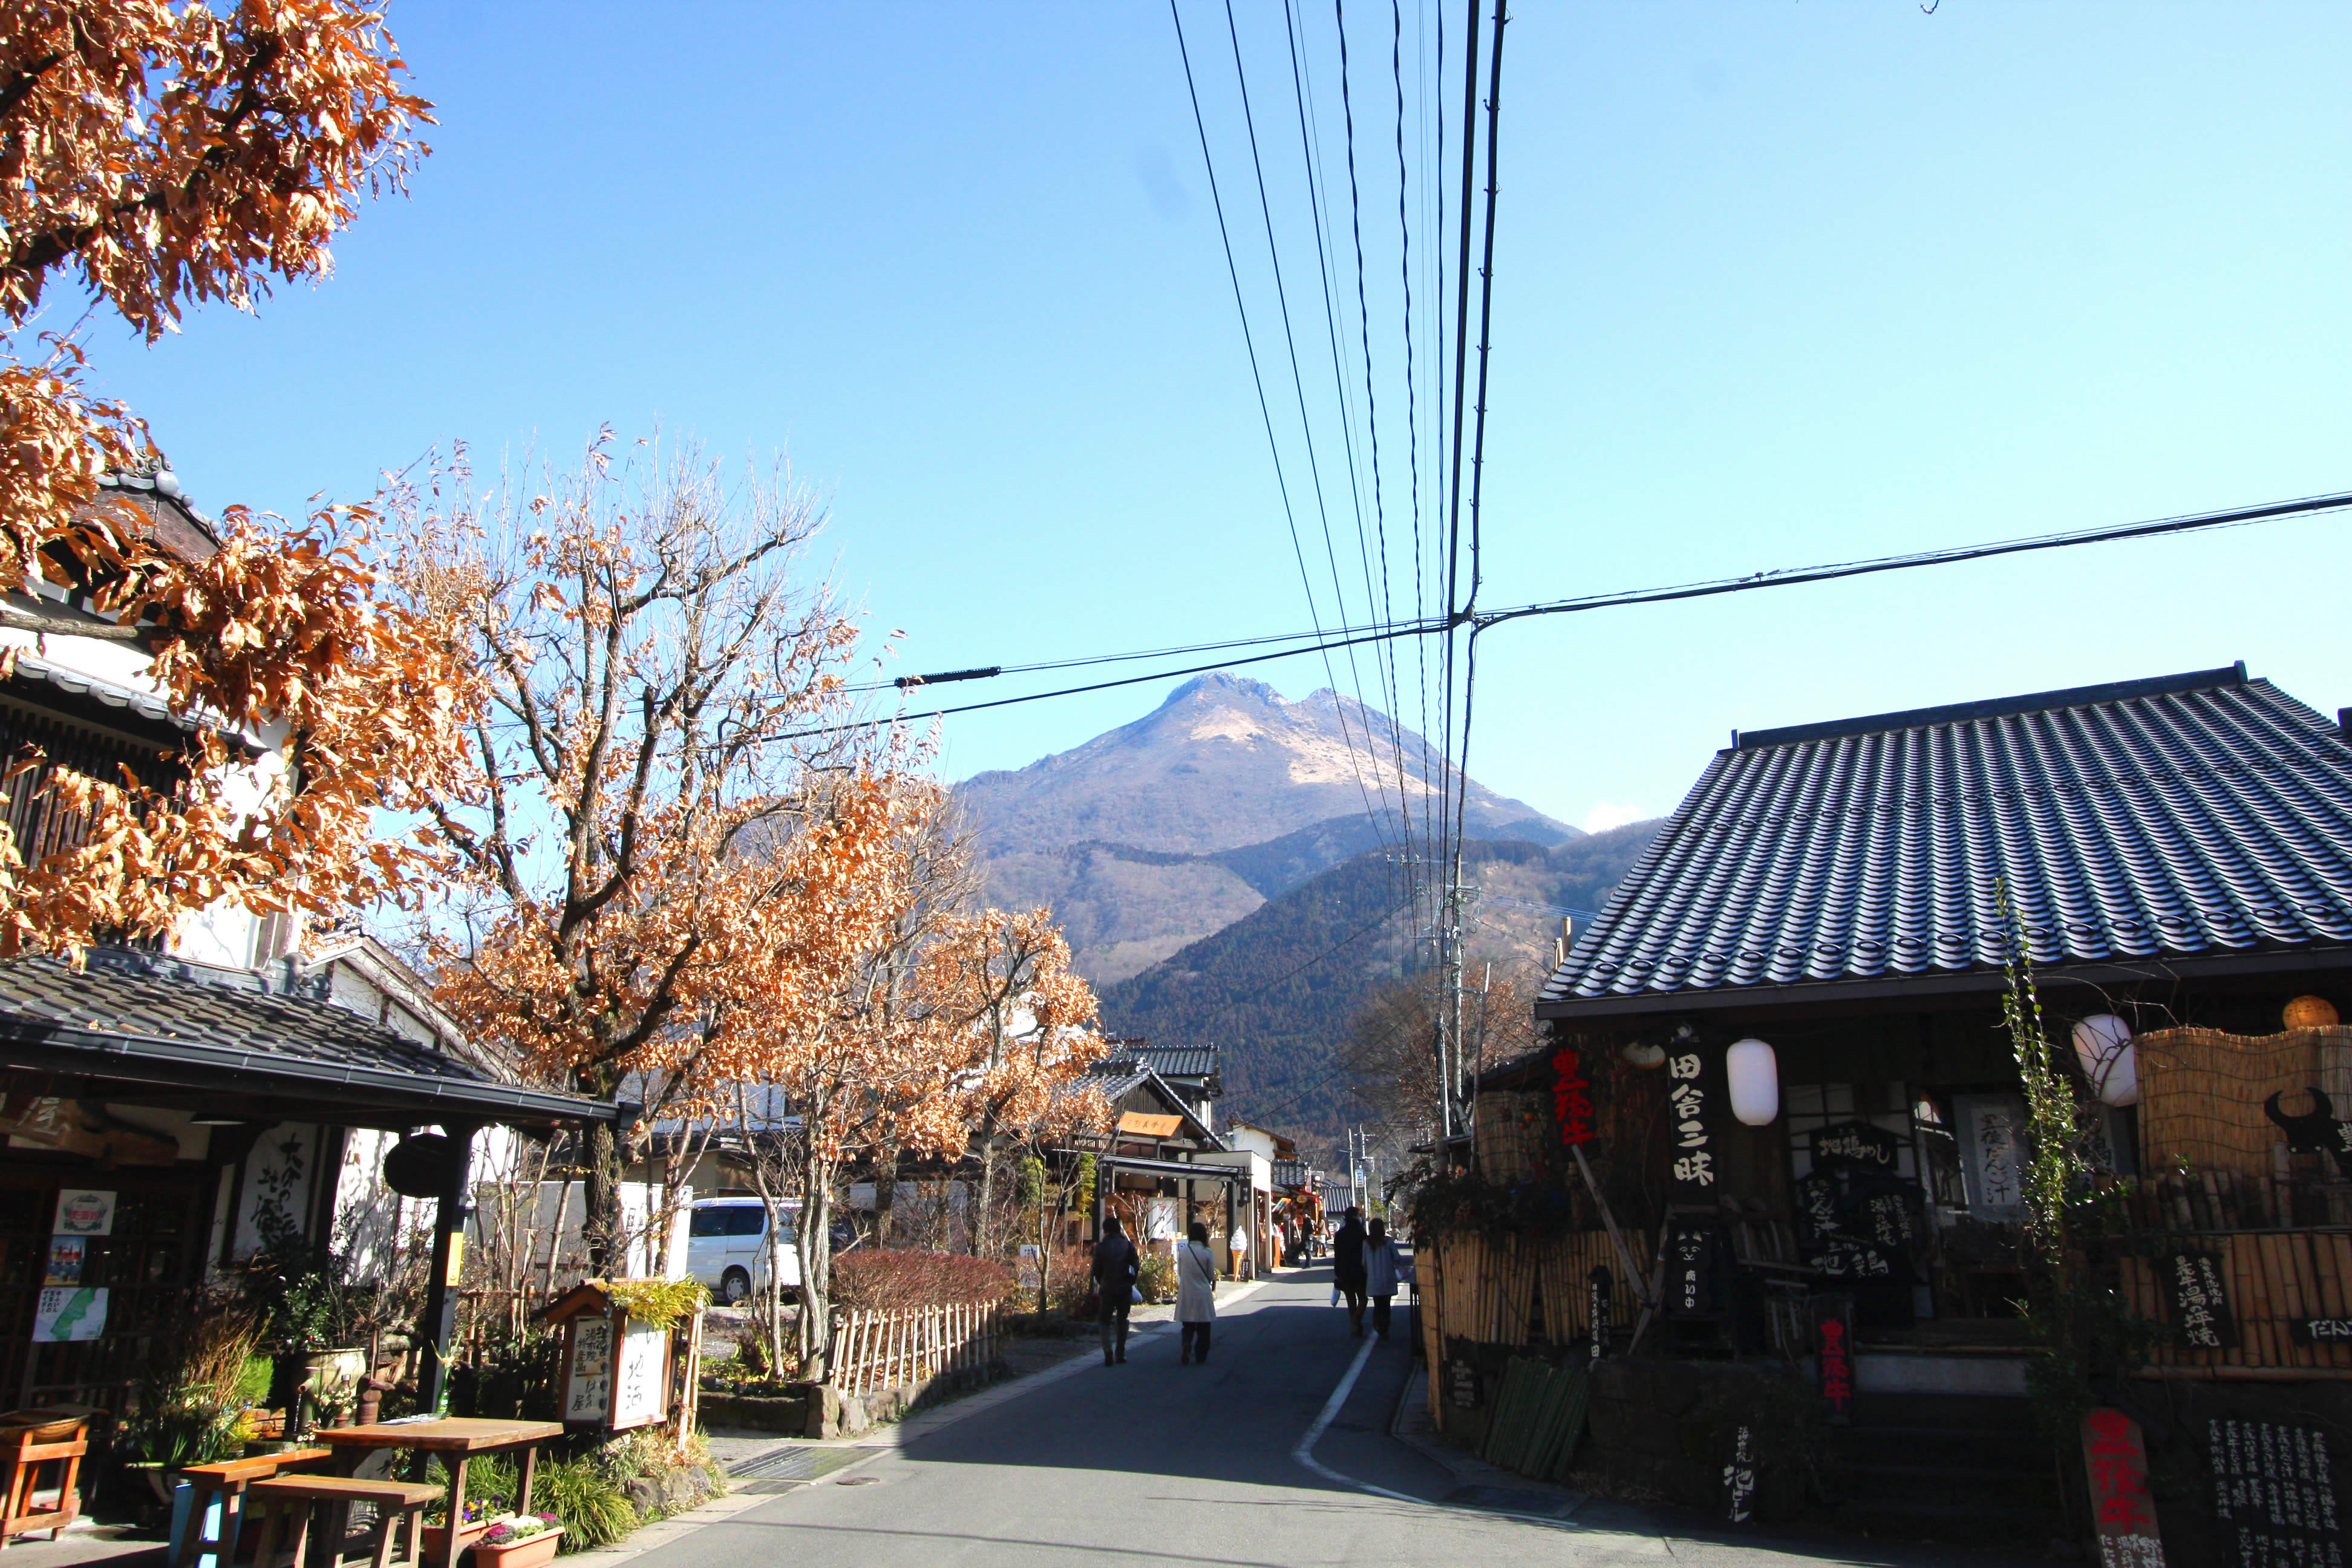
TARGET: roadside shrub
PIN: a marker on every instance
(873, 1281)
(1073, 1280)
(1157, 1279)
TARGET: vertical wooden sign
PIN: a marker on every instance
(1598, 1294)
(2198, 1297)
(1833, 1354)
(1739, 1477)
(2120, 1506)
(1690, 1096)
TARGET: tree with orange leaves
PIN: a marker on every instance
(661, 687)
(162, 155)
(819, 1011)
(1021, 1027)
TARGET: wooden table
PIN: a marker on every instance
(458, 1440)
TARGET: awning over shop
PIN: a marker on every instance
(142, 1027)
(1178, 1169)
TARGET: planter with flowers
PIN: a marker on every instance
(518, 1541)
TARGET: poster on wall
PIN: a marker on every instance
(84, 1212)
(69, 1314)
(640, 1389)
(66, 1254)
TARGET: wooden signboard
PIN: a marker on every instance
(1690, 1107)
(640, 1376)
(588, 1371)
(1856, 1145)
(1462, 1383)
(1690, 1268)
(1739, 1477)
(1833, 1356)
(1600, 1291)
(616, 1371)
(2121, 1509)
(2198, 1298)
(2274, 1494)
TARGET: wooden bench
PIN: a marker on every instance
(25, 1446)
(228, 1481)
(283, 1498)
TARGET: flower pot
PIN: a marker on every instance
(437, 1538)
(532, 1553)
(159, 1480)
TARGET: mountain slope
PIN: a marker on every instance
(1277, 987)
(1165, 830)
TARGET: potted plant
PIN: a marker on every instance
(189, 1427)
(479, 1517)
(518, 1541)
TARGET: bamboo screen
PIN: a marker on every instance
(1501, 1291)
(2274, 1279)
(2201, 1096)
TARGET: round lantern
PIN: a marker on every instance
(2311, 1013)
(1755, 1082)
(2103, 1045)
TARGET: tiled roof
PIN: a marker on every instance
(2186, 814)
(1178, 1062)
(143, 1015)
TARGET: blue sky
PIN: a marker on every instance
(1775, 284)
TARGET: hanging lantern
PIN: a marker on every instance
(2311, 1013)
(2103, 1045)
(1755, 1082)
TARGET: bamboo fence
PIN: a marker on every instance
(1518, 1289)
(885, 1350)
(2274, 1278)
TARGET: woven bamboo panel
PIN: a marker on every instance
(2202, 1094)
(1491, 1292)
(2274, 1279)
(1510, 1130)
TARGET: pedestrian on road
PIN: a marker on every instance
(1383, 1268)
(1116, 1267)
(1196, 1294)
(1347, 1266)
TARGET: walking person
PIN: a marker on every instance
(1347, 1266)
(1383, 1266)
(1116, 1267)
(1196, 1294)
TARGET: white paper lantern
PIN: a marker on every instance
(2103, 1045)
(1755, 1082)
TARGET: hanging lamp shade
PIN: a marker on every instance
(1755, 1077)
(2103, 1045)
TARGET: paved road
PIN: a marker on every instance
(1151, 1465)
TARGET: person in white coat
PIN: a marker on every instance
(1196, 1294)
(1383, 1268)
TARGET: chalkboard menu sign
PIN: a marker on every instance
(1859, 1225)
(2275, 1492)
(1462, 1383)
(1855, 1145)
(2199, 1298)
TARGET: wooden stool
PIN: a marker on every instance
(296, 1497)
(227, 1480)
(24, 1447)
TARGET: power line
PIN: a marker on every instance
(1265, 414)
(1626, 598)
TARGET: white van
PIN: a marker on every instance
(727, 1247)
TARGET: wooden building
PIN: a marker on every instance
(1780, 1053)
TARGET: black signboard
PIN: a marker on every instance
(1740, 1478)
(2274, 1491)
(1598, 1298)
(1855, 1225)
(2198, 1295)
(1462, 1383)
(2320, 1330)
(1855, 1145)
(1691, 1267)
(1691, 1119)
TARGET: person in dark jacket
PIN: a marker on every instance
(1116, 1267)
(1347, 1266)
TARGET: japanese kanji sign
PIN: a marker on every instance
(2198, 1296)
(1691, 1143)
(1571, 1097)
(2120, 1506)
(1596, 1310)
(2275, 1494)
(1833, 1354)
(1855, 1144)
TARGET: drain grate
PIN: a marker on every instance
(794, 1464)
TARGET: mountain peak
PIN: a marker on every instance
(1221, 685)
